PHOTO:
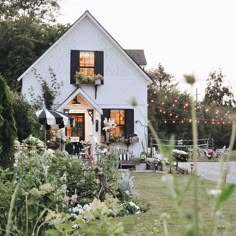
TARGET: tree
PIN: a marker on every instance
(42, 9)
(216, 92)
(22, 41)
(7, 126)
(167, 109)
(161, 79)
(25, 117)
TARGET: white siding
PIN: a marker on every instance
(123, 81)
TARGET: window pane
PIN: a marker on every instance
(86, 59)
(119, 117)
(88, 71)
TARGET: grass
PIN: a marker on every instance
(152, 191)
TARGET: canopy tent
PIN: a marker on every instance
(49, 118)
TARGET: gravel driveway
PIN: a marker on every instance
(212, 170)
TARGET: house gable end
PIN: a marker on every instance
(87, 14)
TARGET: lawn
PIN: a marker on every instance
(152, 191)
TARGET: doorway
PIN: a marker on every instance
(79, 128)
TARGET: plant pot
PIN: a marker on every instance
(97, 82)
(107, 137)
(141, 166)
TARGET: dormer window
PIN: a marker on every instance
(90, 63)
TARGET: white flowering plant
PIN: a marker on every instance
(109, 124)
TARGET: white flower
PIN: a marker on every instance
(214, 192)
(104, 151)
(75, 226)
(87, 207)
(109, 124)
(132, 204)
(75, 209)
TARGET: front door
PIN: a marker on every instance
(79, 129)
(77, 134)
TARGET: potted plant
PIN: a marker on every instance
(98, 78)
(109, 124)
(140, 163)
(117, 137)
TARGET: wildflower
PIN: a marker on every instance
(46, 188)
(75, 226)
(214, 192)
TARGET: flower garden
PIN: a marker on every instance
(52, 193)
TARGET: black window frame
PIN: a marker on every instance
(75, 63)
(129, 120)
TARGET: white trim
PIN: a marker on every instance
(83, 94)
(87, 13)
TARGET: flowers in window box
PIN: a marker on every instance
(79, 77)
(117, 137)
(98, 78)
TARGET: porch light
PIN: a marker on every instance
(76, 101)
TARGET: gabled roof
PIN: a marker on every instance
(138, 56)
(88, 14)
(80, 91)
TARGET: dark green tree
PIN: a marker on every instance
(7, 126)
(216, 92)
(25, 117)
(161, 79)
(168, 108)
(22, 41)
(42, 9)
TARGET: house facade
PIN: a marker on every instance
(100, 80)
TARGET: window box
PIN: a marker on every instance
(80, 78)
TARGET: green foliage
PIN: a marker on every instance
(126, 186)
(49, 92)
(7, 126)
(22, 41)
(215, 123)
(216, 92)
(161, 79)
(42, 9)
(164, 103)
(106, 172)
(193, 225)
(51, 193)
(25, 117)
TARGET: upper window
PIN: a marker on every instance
(88, 62)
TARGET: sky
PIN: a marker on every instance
(185, 36)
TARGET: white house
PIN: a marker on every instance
(87, 47)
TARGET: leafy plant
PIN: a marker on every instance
(126, 186)
(49, 91)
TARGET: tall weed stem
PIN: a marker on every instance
(9, 219)
(195, 177)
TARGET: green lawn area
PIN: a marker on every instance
(152, 191)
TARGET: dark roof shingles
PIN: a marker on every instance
(137, 55)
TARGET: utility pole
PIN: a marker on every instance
(197, 95)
